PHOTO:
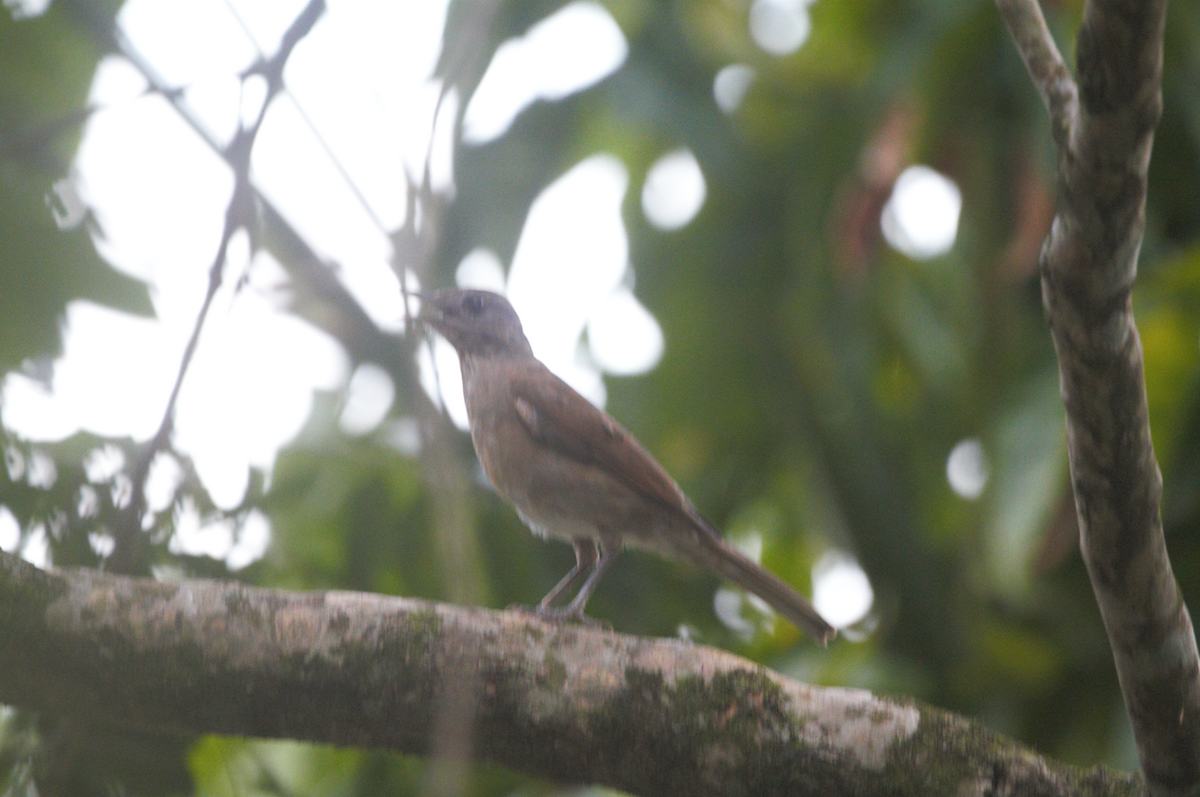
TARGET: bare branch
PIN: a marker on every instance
(130, 554)
(1050, 74)
(1088, 265)
(577, 704)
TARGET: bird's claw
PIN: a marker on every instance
(560, 615)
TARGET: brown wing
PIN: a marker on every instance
(560, 418)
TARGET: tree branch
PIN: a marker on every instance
(573, 703)
(1050, 74)
(1088, 265)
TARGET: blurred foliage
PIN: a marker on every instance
(814, 381)
(46, 66)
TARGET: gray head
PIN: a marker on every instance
(477, 323)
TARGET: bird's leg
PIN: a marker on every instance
(574, 609)
(585, 559)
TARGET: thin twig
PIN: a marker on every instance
(128, 554)
(1044, 62)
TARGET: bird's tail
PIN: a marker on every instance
(726, 561)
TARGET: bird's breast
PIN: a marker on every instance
(555, 494)
(524, 473)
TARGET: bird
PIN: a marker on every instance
(573, 472)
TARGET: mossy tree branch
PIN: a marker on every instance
(577, 704)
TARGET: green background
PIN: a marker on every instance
(813, 385)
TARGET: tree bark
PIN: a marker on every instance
(1103, 127)
(573, 703)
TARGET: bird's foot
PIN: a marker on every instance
(561, 614)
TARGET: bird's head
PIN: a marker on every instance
(477, 323)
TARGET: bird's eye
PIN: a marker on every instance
(473, 303)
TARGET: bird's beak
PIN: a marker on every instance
(433, 314)
(431, 311)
